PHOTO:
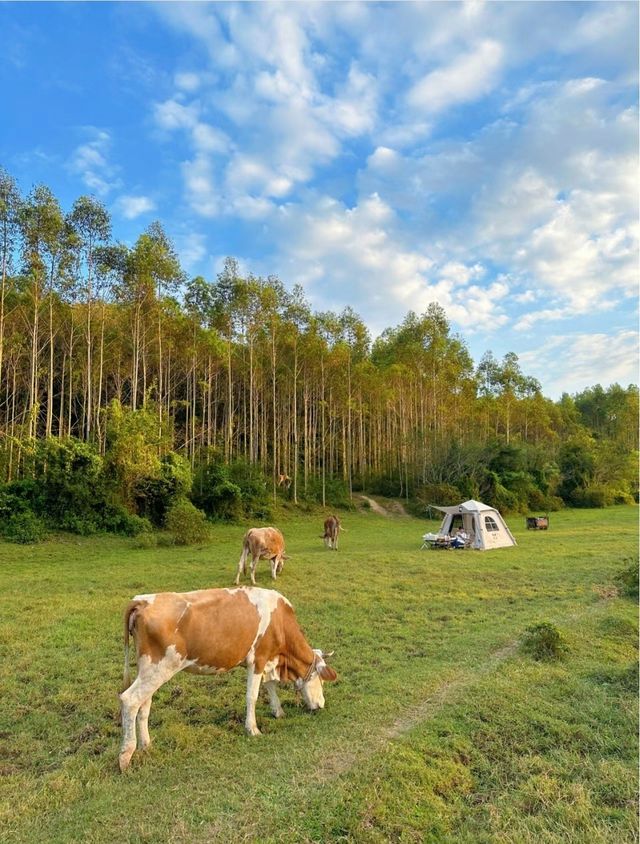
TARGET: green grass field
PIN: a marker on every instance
(439, 730)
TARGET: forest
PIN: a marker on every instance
(127, 388)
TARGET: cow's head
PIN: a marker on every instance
(280, 562)
(311, 685)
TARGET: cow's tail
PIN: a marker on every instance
(242, 562)
(129, 623)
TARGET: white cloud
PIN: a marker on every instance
(90, 161)
(191, 248)
(327, 127)
(133, 206)
(187, 81)
(172, 114)
(466, 78)
(344, 255)
(200, 188)
(587, 359)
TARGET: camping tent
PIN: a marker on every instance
(484, 524)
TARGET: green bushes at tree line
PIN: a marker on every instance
(139, 483)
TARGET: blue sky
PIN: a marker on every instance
(383, 155)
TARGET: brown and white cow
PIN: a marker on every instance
(209, 632)
(331, 532)
(262, 544)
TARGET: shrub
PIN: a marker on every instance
(590, 496)
(336, 493)
(627, 579)
(24, 528)
(544, 642)
(154, 494)
(135, 439)
(11, 503)
(145, 540)
(186, 523)
(84, 525)
(387, 485)
(228, 492)
(118, 520)
(621, 497)
(253, 488)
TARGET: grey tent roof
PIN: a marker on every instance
(470, 506)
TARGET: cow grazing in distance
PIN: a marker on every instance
(262, 544)
(331, 532)
(209, 632)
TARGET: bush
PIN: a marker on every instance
(627, 579)
(145, 540)
(622, 497)
(386, 485)
(229, 492)
(154, 494)
(253, 488)
(186, 523)
(336, 493)
(118, 520)
(24, 528)
(544, 642)
(591, 496)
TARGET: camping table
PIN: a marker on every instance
(439, 542)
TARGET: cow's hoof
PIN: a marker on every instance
(253, 731)
(124, 761)
(279, 713)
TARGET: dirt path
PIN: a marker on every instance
(374, 506)
(396, 508)
(343, 761)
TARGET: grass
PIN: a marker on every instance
(440, 728)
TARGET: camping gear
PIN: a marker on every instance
(483, 523)
(537, 522)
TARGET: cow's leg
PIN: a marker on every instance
(254, 563)
(253, 687)
(274, 701)
(143, 724)
(335, 542)
(151, 675)
(242, 566)
(274, 567)
(129, 710)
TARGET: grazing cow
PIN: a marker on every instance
(209, 632)
(331, 532)
(284, 480)
(262, 544)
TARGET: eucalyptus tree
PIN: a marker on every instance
(151, 271)
(356, 339)
(110, 266)
(9, 232)
(167, 276)
(225, 295)
(44, 242)
(273, 297)
(296, 318)
(198, 304)
(92, 224)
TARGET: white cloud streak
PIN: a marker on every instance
(90, 161)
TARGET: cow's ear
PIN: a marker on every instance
(327, 673)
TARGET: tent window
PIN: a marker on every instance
(490, 524)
